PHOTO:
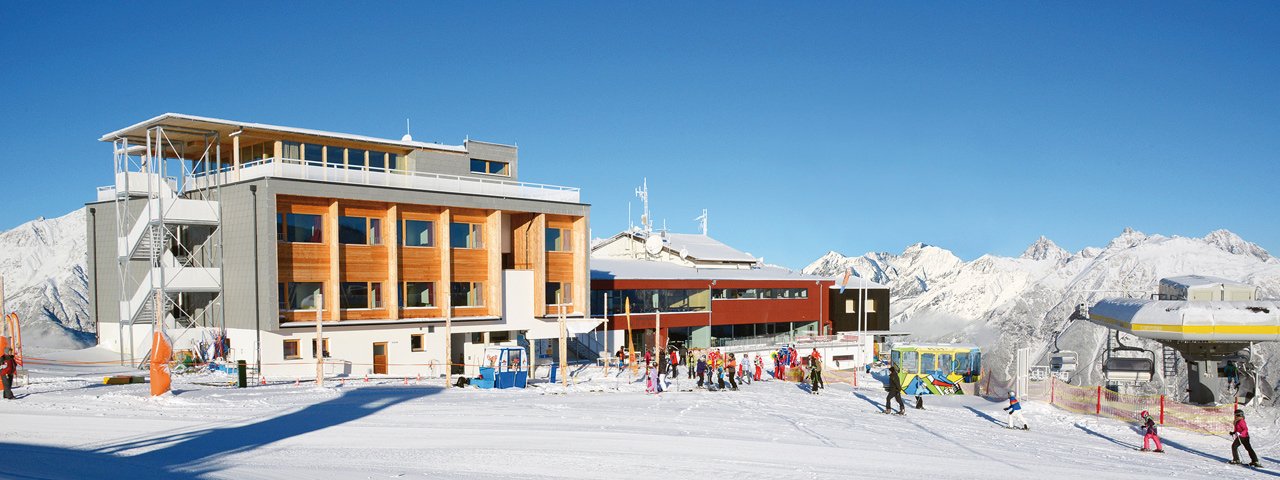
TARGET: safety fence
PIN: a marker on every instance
(1096, 400)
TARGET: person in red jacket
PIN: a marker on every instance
(1241, 434)
(1149, 433)
(7, 369)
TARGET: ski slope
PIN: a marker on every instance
(67, 425)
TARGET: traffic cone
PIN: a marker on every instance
(262, 380)
(366, 378)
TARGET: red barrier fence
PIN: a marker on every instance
(1105, 403)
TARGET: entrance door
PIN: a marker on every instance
(380, 358)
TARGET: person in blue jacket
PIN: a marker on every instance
(1015, 412)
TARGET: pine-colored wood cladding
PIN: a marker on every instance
(391, 263)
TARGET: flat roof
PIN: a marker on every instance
(1201, 280)
(629, 269)
(192, 125)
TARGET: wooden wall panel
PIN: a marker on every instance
(538, 255)
(421, 313)
(303, 262)
(362, 263)
(419, 264)
(470, 265)
(560, 267)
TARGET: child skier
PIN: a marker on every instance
(1241, 434)
(1015, 411)
(759, 367)
(894, 387)
(1149, 433)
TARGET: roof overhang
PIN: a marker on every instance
(184, 127)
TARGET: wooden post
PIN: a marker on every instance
(1162, 409)
(564, 341)
(1053, 387)
(391, 238)
(445, 291)
(319, 348)
(448, 337)
(631, 344)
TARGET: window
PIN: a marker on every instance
(466, 294)
(647, 301)
(291, 350)
(926, 362)
(313, 348)
(759, 293)
(465, 235)
(303, 295)
(944, 364)
(361, 295)
(418, 233)
(291, 150)
(499, 337)
(477, 338)
(489, 167)
(558, 240)
(418, 295)
(378, 160)
(280, 298)
(257, 152)
(415, 342)
(356, 158)
(359, 231)
(962, 363)
(910, 362)
(312, 152)
(334, 157)
(299, 227)
(558, 293)
(871, 305)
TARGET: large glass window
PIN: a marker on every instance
(488, 167)
(962, 362)
(944, 363)
(303, 295)
(360, 231)
(257, 152)
(334, 157)
(558, 293)
(926, 363)
(759, 293)
(417, 295)
(312, 152)
(361, 295)
(649, 301)
(558, 240)
(355, 158)
(465, 235)
(299, 227)
(418, 233)
(466, 294)
(291, 150)
(910, 362)
(378, 160)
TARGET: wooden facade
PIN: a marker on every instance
(391, 263)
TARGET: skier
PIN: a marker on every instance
(1241, 434)
(692, 363)
(919, 400)
(7, 368)
(731, 368)
(702, 370)
(1015, 411)
(815, 374)
(675, 362)
(895, 391)
(744, 369)
(1233, 374)
(759, 367)
(719, 373)
(1149, 433)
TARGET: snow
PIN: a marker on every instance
(622, 268)
(65, 425)
(46, 282)
(705, 248)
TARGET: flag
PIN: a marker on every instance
(161, 350)
(845, 281)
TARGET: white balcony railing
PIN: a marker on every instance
(437, 182)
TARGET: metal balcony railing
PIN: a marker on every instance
(387, 177)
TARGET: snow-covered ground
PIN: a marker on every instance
(68, 425)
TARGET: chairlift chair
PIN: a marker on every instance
(1128, 369)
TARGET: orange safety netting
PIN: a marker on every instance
(1094, 400)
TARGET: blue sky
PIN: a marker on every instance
(802, 127)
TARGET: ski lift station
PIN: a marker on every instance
(1207, 320)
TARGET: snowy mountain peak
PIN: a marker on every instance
(1128, 238)
(1045, 249)
(1232, 243)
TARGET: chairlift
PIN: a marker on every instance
(1128, 369)
(1062, 363)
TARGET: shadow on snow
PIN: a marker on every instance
(201, 452)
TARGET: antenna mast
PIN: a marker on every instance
(643, 193)
(702, 219)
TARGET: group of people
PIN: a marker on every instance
(718, 370)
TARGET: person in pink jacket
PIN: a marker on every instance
(1241, 434)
